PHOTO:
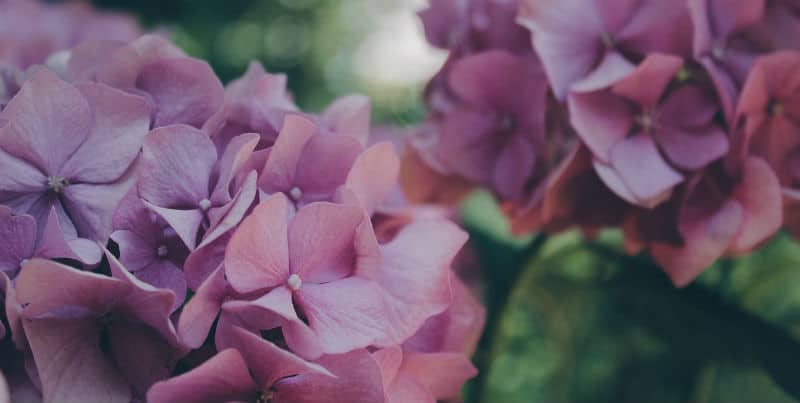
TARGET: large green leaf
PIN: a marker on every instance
(587, 324)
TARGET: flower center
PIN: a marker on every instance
(683, 75)
(508, 123)
(294, 282)
(718, 51)
(777, 110)
(204, 204)
(162, 251)
(608, 40)
(56, 184)
(646, 121)
(264, 397)
(295, 193)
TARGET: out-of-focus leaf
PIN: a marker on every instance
(583, 325)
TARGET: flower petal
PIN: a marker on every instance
(257, 256)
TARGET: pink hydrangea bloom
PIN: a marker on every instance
(649, 128)
(588, 44)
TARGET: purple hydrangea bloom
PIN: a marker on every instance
(70, 148)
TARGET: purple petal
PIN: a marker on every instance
(349, 116)
(643, 170)
(121, 122)
(281, 167)
(200, 312)
(17, 239)
(51, 119)
(185, 91)
(72, 368)
(176, 166)
(601, 119)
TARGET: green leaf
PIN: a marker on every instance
(587, 324)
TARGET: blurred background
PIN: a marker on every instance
(570, 320)
(327, 48)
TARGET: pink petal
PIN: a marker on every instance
(443, 374)
(759, 194)
(68, 288)
(200, 312)
(232, 160)
(55, 244)
(121, 122)
(418, 258)
(356, 379)
(706, 236)
(91, 206)
(613, 68)
(202, 261)
(141, 355)
(51, 119)
(17, 239)
(72, 368)
(643, 170)
(650, 79)
(269, 362)
(601, 120)
(321, 241)
(234, 211)
(515, 163)
(185, 91)
(349, 116)
(166, 275)
(346, 314)
(324, 164)
(176, 167)
(223, 378)
(257, 256)
(186, 223)
(279, 172)
(693, 150)
(374, 174)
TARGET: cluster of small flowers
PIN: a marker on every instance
(674, 120)
(129, 174)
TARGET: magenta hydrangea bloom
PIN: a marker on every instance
(149, 247)
(726, 43)
(310, 266)
(185, 181)
(255, 370)
(493, 134)
(649, 128)
(180, 89)
(255, 103)
(588, 44)
(82, 336)
(472, 26)
(768, 112)
(31, 30)
(70, 148)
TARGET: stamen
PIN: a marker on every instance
(204, 204)
(683, 75)
(718, 51)
(295, 193)
(646, 121)
(777, 110)
(608, 40)
(294, 282)
(56, 184)
(162, 251)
